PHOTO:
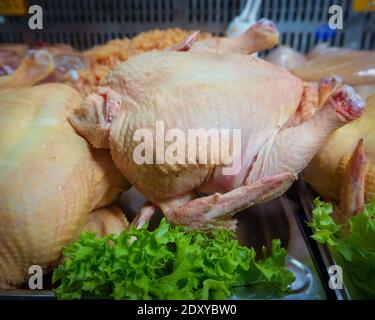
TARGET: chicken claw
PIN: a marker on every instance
(352, 194)
(144, 216)
(260, 36)
(326, 87)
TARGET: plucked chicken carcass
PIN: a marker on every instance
(50, 179)
(354, 67)
(209, 85)
(343, 170)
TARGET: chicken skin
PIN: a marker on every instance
(214, 85)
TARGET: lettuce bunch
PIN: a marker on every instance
(356, 251)
(167, 263)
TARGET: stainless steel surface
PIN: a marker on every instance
(84, 23)
(257, 226)
(278, 219)
(24, 294)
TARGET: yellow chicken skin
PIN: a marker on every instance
(50, 179)
(328, 170)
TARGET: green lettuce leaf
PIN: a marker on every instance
(167, 263)
(357, 250)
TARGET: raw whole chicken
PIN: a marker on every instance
(50, 179)
(343, 170)
(213, 85)
(355, 67)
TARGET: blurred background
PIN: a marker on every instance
(84, 23)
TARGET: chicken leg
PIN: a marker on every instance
(352, 195)
(216, 210)
(314, 97)
(289, 153)
(260, 36)
(107, 220)
(33, 68)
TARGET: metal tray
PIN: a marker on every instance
(257, 226)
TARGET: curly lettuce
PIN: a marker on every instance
(167, 263)
(357, 250)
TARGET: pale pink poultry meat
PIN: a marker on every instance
(214, 85)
